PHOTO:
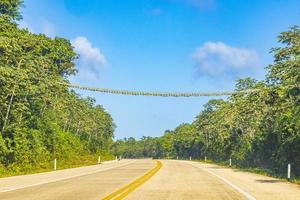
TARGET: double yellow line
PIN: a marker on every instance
(124, 191)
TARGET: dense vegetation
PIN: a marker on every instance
(40, 119)
(259, 129)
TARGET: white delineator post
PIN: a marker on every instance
(99, 159)
(230, 162)
(190, 157)
(54, 164)
(289, 172)
(205, 158)
(177, 157)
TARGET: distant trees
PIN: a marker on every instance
(260, 129)
(40, 119)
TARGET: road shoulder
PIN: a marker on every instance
(24, 181)
(258, 186)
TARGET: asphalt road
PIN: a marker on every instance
(174, 180)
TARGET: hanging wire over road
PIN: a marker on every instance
(159, 94)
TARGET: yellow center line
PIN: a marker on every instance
(124, 191)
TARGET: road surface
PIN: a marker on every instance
(147, 179)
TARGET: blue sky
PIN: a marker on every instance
(163, 45)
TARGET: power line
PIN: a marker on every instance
(159, 94)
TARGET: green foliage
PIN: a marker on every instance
(257, 130)
(10, 8)
(40, 119)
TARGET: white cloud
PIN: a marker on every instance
(217, 58)
(91, 59)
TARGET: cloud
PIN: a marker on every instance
(91, 59)
(216, 58)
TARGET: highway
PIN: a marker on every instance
(147, 179)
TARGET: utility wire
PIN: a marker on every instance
(159, 94)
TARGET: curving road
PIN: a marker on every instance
(146, 179)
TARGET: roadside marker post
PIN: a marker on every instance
(190, 157)
(230, 162)
(289, 172)
(177, 157)
(99, 159)
(205, 158)
(55, 164)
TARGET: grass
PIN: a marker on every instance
(79, 161)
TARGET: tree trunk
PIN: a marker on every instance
(69, 124)
(10, 103)
(21, 115)
(8, 110)
(78, 127)
(66, 124)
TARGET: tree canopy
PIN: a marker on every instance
(11, 9)
(40, 118)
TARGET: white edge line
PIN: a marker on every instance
(247, 195)
(61, 179)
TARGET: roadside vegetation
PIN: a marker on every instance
(259, 130)
(40, 118)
